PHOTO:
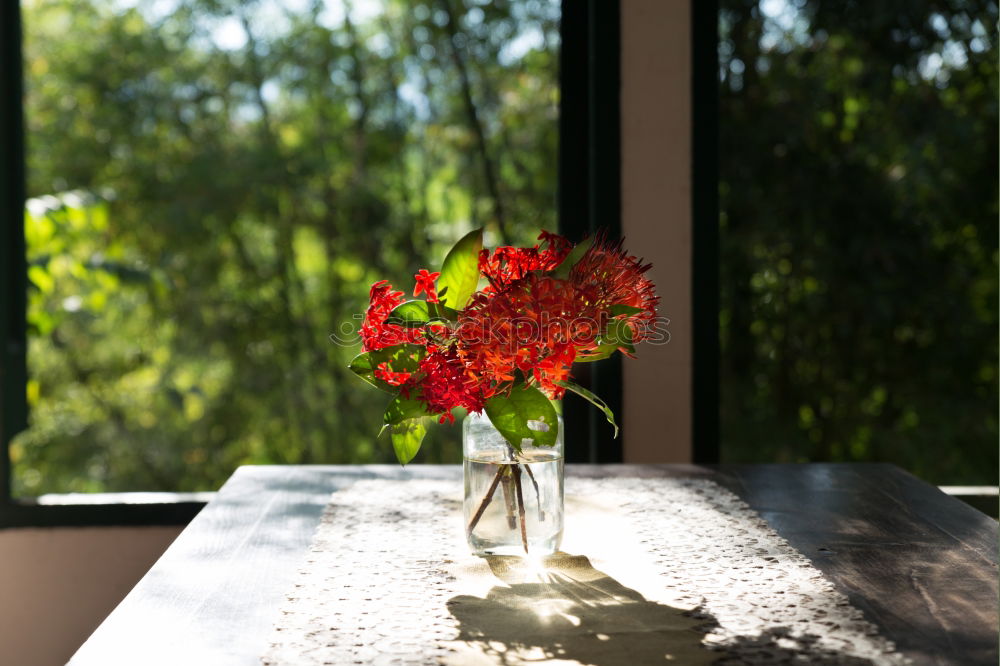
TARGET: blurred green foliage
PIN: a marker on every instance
(216, 183)
(858, 194)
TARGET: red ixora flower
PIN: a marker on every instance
(506, 265)
(375, 332)
(385, 373)
(535, 326)
(447, 383)
(425, 283)
(611, 276)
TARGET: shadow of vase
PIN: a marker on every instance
(565, 609)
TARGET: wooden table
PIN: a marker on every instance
(920, 564)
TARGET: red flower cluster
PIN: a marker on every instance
(611, 277)
(507, 265)
(384, 372)
(375, 332)
(535, 325)
(525, 323)
(447, 383)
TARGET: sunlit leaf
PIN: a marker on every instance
(407, 436)
(602, 352)
(401, 409)
(401, 358)
(460, 270)
(414, 314)
(511, 414)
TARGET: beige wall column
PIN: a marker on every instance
(58, 584)
(656, 219)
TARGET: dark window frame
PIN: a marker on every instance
(589, 197)
(589, 161)
(705, 383)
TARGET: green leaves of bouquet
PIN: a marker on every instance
(462, 348)
(406, 418)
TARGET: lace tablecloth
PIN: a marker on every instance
(651, 571)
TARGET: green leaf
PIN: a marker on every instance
(563, 269)
(460, 271)
(406, 419)
(619, 334)
(411, 314)
(618, 310)
(401, 358)
(511, 414)
(414, 314)
(599, 354)
(407, 436)
(441, 312)
(401, 409)
(362, 366)
(593, 399)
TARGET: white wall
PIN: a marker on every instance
(58, 584)
(656, 219)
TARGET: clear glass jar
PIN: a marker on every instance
(513, 500)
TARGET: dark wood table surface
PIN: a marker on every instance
(921, 565)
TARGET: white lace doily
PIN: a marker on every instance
(656, 571)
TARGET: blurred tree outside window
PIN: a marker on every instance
(214, 185)
(858, 234)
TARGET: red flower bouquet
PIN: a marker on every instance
(507, 348)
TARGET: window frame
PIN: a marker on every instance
(705, 384)
(589, 161)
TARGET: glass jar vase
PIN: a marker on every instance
(513, 499)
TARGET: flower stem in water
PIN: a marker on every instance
(508, 496)
(538, 495)
(520, 506)
(486, 499)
